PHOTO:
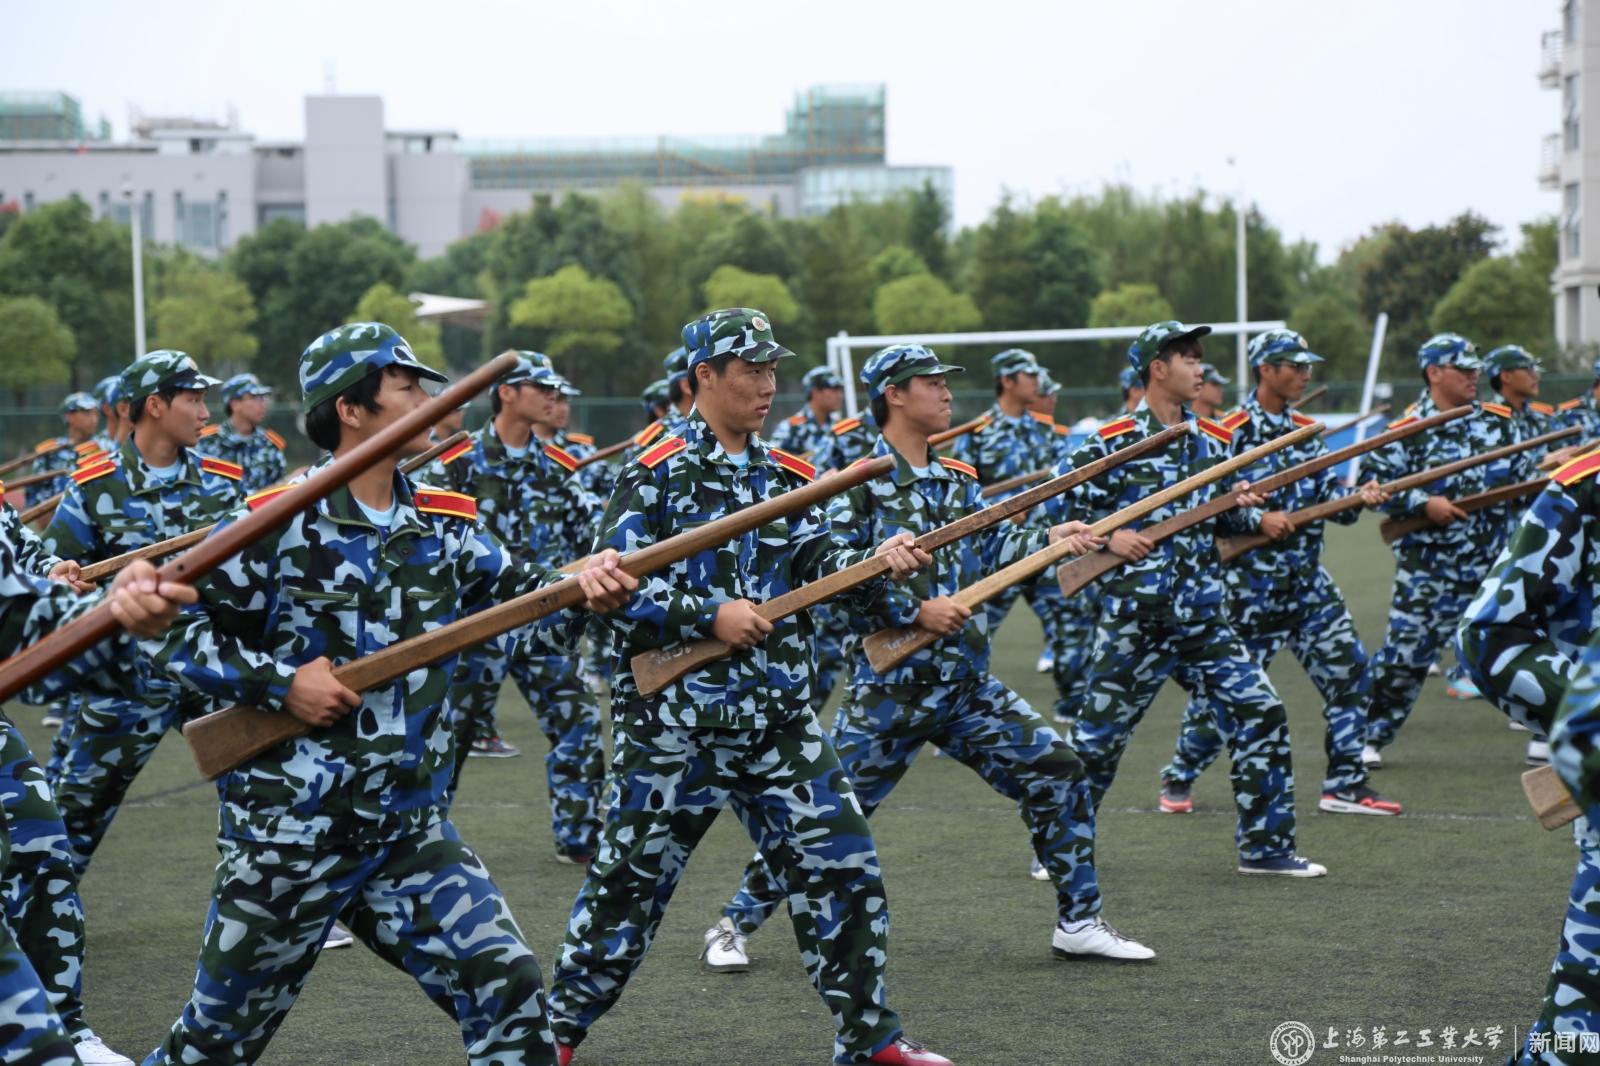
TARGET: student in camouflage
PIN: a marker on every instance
(1132, 389)
(155, 486)
(1209, 403)
(1584, 411)
(1043, 594)
(739, 730)
(115, 432)
(1437, 569)
(1162, 611)
(242, 437)
(351, 818)
(847, 441)
(945, 695)
(1523, 640)
(81, 412)
(1280, 596)
(803, 432)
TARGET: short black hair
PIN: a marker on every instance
(1186, 346)
(322, 421)
(136, 408)
(675, 389)
(494, 395)
(718, 365)
(1494, 381)
(880, 410)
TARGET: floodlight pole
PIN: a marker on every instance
(138, 272)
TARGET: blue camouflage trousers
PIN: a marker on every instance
(41, 928)
(1070, 648)
(1423, 613)
(1043, 594)
(569, 716)
(423, 903)
(784, 782)
(1569, 1020)
(834, 640)
(879, 731)
(1134, 654)
(110, 741)
(1322, 636)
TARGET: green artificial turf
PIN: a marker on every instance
(1446, 917)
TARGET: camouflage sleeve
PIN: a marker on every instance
(1575, 740)
(1329, 487)
(1089, 500)
(1505, 639)
(1001, 545)
(827, 454)
(850, 514)
(32, 558)
(1390, 463)
(32, 607)
(71, 533)
(783, 437)
(815, 552)
(209, 648)
(964, 449)
(274, 467)
(585, 508)
(486, 574)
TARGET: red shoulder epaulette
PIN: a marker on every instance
(1299, 420)
(797, 420)
(669, 447)
(86, 474)
(841, 428)
(1542, 408)
(1498, 409)
(256, 499)
(793, 463)
(50, 445)
(1575, 471)
(648, 434)
(1063, 430)
(91, 458)
(1406, 421)
(1568, 405)
(277, 441)
(455, 451)
(959, 467)
(222, 468)
(438, 501)
(1235, 420)
(88, 447)
(1043, 419)
(561, 456)
(1117, 428)
(211, 430)
(581, 438)
(1214, 431)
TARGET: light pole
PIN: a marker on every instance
(1240, 300)
(138, 271)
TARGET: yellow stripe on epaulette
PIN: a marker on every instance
(959, 467)
(581, 438)
(256, 499)
(88, 447)
(439, 501)
(667, 448)
(1406, 421)
(454, 452)
(648, 434)
(47, 445)
(222, 468)
(984, 422)
(277, 441)
(1235, 420)
(793, 463)
(1572, 473)
(1569, 405)
(1498, 409)
(211, 430)
(91, 458)
(1543, 408)
(1299, 420)
(1062, 430)
(89, 473)
(1214, 431)
(1115, 429)
(1042, 419)
(841, 428)
(561, 456)
(797, 420)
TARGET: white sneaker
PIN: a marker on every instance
(1095, 938)
(1434, 671)
(1516, 726)
(1370, 758)
(724, 951)
(1046, 663)
(338, 937)
(51, 721)
(1037, 871)
(92, 1051)
(1538, 753)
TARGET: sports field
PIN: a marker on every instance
(1444, 918)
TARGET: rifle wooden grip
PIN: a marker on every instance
(1548, 796)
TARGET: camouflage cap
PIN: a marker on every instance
(567, 388)
(1212, 376)
(898, 363)
(341, 357)
(153, 371)
(105, 390)
(536, 358)
(1158, 338)
(243, 385)
(654, 395)
(1047, 384)
(1449, 349)
(740, 331)
(1013, 361)
(1128, 378)
(79, 401)
(821, 377)
(1281, 346)
(1510, 357)
(527, 371)
(676, 365)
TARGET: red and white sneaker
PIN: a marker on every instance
(1175, 798)
(1359, 799)
(563, 1055)
(905, 1052)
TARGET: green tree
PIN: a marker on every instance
(1129, 304)
(749, 241)
(1497, 302)
(1336, 331)
(925, 229)
(895, 262)
(1002, 275)
(261, 260)
(36, 347)
(728, 286)
(573, 312)
(208, 313)
(383, 303)
(834, 284)
(922, 303)
(1411, 272)
(1066, 268)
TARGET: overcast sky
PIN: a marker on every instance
(1340, 115)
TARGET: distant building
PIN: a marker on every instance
(1569, 61)
(203, 184)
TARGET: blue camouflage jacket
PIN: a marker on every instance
(847, 440)
(802, 433)
(1007, 446)
(259, 455)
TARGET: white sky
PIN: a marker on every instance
(1341, 115)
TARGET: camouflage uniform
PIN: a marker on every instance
(739, 730)
(541, 514)
(114, 507)
(1437, 569)
(351, 820)
(1522, 641)
(1279, 595)
(58, 454)
(945, 694)
(1163, 617)
(847, 441)
(802, 433)
(1583, 411)
(259, 454)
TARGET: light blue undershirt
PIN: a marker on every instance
(516, 453)
(921, 471)
(165, 474)
(382, 519)
(742, 459)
